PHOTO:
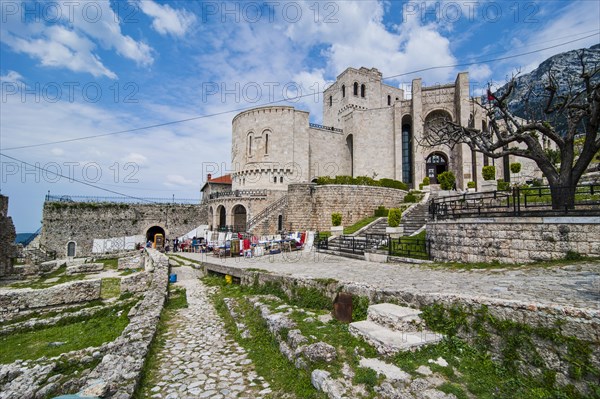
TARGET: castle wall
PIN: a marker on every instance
(83, 222)
(8, 249)
(310, 206)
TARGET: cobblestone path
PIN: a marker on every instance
(575, 285)
(199, 360)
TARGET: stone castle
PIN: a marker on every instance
(369, 129)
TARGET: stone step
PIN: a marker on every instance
(394, 317)
(389, 342)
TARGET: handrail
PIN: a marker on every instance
(267, 211)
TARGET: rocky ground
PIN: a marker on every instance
(199, 360)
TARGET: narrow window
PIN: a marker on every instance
(355, 89)
(389, 100)
(266, 144)
(343, 90)
(362, 91)
(274, 179)
(280, 179)
(330, 101)
(250, 145)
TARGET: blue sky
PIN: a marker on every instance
(83, 68)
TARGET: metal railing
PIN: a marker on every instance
(232, 228)
(120, 200)
(321, 127)
(519, 201)
(238, 193)
(409, 247)
(275, 206)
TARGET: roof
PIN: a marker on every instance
(225, 179)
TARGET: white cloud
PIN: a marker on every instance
(166, 20)
(71, 41)
(479, 73)
(178, 180)
(12, 77)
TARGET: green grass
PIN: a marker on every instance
(413, 247)
(263, 348)
(104, 326)
(472, 373)
(176, 300)
(359, 225)
(112, 263)
(43, 282)
(111, 288)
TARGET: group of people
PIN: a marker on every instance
(196, 244)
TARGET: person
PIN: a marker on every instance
(175, 244)
(149, 244)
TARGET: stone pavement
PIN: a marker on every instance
(199, 360)
(576, 285)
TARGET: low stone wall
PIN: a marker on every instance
(13, 301)
(131, 262)
(310, 206)
(119, 372)
(134, 283)
(552, 330)
(85, 268)
(513, 240)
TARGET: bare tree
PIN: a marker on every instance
(569, 110)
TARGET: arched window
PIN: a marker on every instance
(280, 179)
(389, 100)
(363, 90)
(330, 101)
(355, 88)
(343, 90)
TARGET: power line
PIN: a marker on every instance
(78, 181)
(284, 99)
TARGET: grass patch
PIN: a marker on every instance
(111, 288)
(104, 326)
(176, 300)
(112, 263)
(43, 282)
(359, 225)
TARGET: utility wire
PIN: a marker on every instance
(281, 100)
(78, 181)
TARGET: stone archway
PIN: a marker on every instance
(71, 249)
(222, 218)
(435, 163)
(153, 231)
(239, 218)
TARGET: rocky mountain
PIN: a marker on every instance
(565, 67)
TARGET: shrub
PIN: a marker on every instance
(336, 219)
(324, 180)
(394, 217)
(503, 185)
(536, 183)
(515, 167)
(420, 186)
(426, 181)
(446, 180)
(488, 172)
(381, 211)
(365, 181)
(471, 184)
(410, 197)
(391, 183)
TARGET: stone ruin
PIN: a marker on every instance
(8, 249)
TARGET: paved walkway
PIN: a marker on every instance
(199, 359)
(575, 285)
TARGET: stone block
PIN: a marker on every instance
(85, 268)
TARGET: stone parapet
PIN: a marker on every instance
(512, 239)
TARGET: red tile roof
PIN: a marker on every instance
(225, 179)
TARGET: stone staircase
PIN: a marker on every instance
(391, 329)
(377, 227)
(415, 218)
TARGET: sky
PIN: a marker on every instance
(171, 75)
